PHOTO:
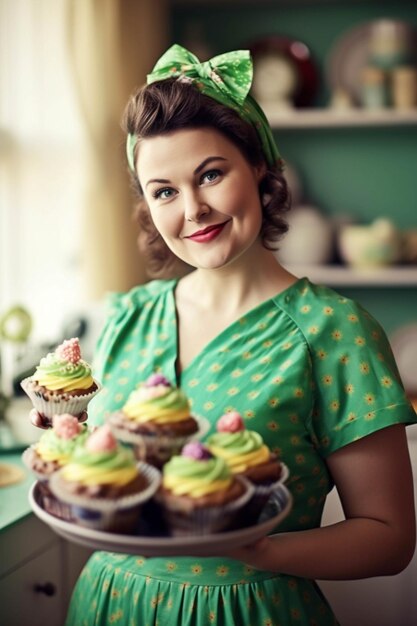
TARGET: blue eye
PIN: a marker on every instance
(163, 194)
(210, 176)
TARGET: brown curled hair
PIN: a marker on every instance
(170, 105)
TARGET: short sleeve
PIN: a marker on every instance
(357, 386)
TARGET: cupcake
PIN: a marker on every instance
(199, 494)
(55, 446)
(53, 450)
(156, 421)
(104, 485)
(247, 455)
(61, 383)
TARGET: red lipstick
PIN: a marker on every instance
(207, 234)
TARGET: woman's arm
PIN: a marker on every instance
(374, 480)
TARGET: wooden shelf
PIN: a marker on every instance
(329, 118)
(335, 275)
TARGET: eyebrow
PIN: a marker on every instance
(196, 171)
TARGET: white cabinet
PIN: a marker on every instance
(37, 573)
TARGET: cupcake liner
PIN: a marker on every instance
(207, 520)
(261, 495)
(158, 449)
(74, 405)
(27, 458)
(108, 514)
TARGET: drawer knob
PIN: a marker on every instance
(49, 589)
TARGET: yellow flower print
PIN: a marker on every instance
(353, 318)
(222, 570)
(262, 325)
(128, 347)
(125, 365)
(212, 387)
(328, 310)
(236, 336)
(242, 321)
(295, 613)
(286, 346)
(295, 440)
(344, 359)
(313, 330)
(298, 392)
(300, 459)
(253, 394)
(300, 488)
(268, 622)
(233, 391)
(273, 426)
(208, 406)
(327, 379)
(107, 377)
(170, 603)
(140, 562)
(267, 344)
(306, 596)
(247, 355)
(364, 367)
(369, 398)
(123, 381)
(349, 388)
(136, 598)
(115, 617)
(106, 585)
(325, 442)
(236, 373)
(273, 402)
(159, 351)
(249, 414)
(284, 366)
(115, 593)
(118, 397)
(386, 381)
(260, 594)
(380, 357)
(224, 349)
(247, 569)
(370, 416)
(216, 367)
(143, 353)
(193, 382)
(157, 600)
(360, 341)
(375, 335)
(294, 418)
(322, 354)
(196, 569)
(305, 309)
(334, 405)
(312, 501)
(351, 417)
(292, 584)
(265, 360)
(277, 380)
(212, 617)
(171, 566)
(256, 377)
(337, 335)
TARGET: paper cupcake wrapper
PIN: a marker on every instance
(208, 520)
(116, 514)
(27, 457)
(74, 405)
(261, 495)
(157, 449)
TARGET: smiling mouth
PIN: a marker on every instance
(207, 234)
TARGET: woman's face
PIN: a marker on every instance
(202, 195)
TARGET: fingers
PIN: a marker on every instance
(41, 422)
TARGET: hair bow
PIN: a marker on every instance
(226, 78)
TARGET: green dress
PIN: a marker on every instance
(311, 371)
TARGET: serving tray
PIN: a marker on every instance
(160, 545)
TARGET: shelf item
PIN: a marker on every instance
(276, 509)
(337, 275)
(283, 72)
(329, 118)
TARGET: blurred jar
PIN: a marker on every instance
(404, 87)
(375, 91)
(309, 240)
(390, 43)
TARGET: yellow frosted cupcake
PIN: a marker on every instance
(62, 383)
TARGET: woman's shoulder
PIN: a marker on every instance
(318, 310)
(139, 296)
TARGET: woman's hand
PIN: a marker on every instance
(44, 423)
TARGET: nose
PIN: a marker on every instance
(194, 206)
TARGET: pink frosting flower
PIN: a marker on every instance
(155, 380)
(66, 426)
(69, 350)
(230, 423)
(101, 440)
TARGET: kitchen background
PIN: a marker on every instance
(338, 81)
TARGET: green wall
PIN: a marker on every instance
(364, 172)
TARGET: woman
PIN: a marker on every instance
(309, 369)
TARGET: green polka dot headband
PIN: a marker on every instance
(226, 78)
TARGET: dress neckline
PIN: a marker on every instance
(179, 374)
